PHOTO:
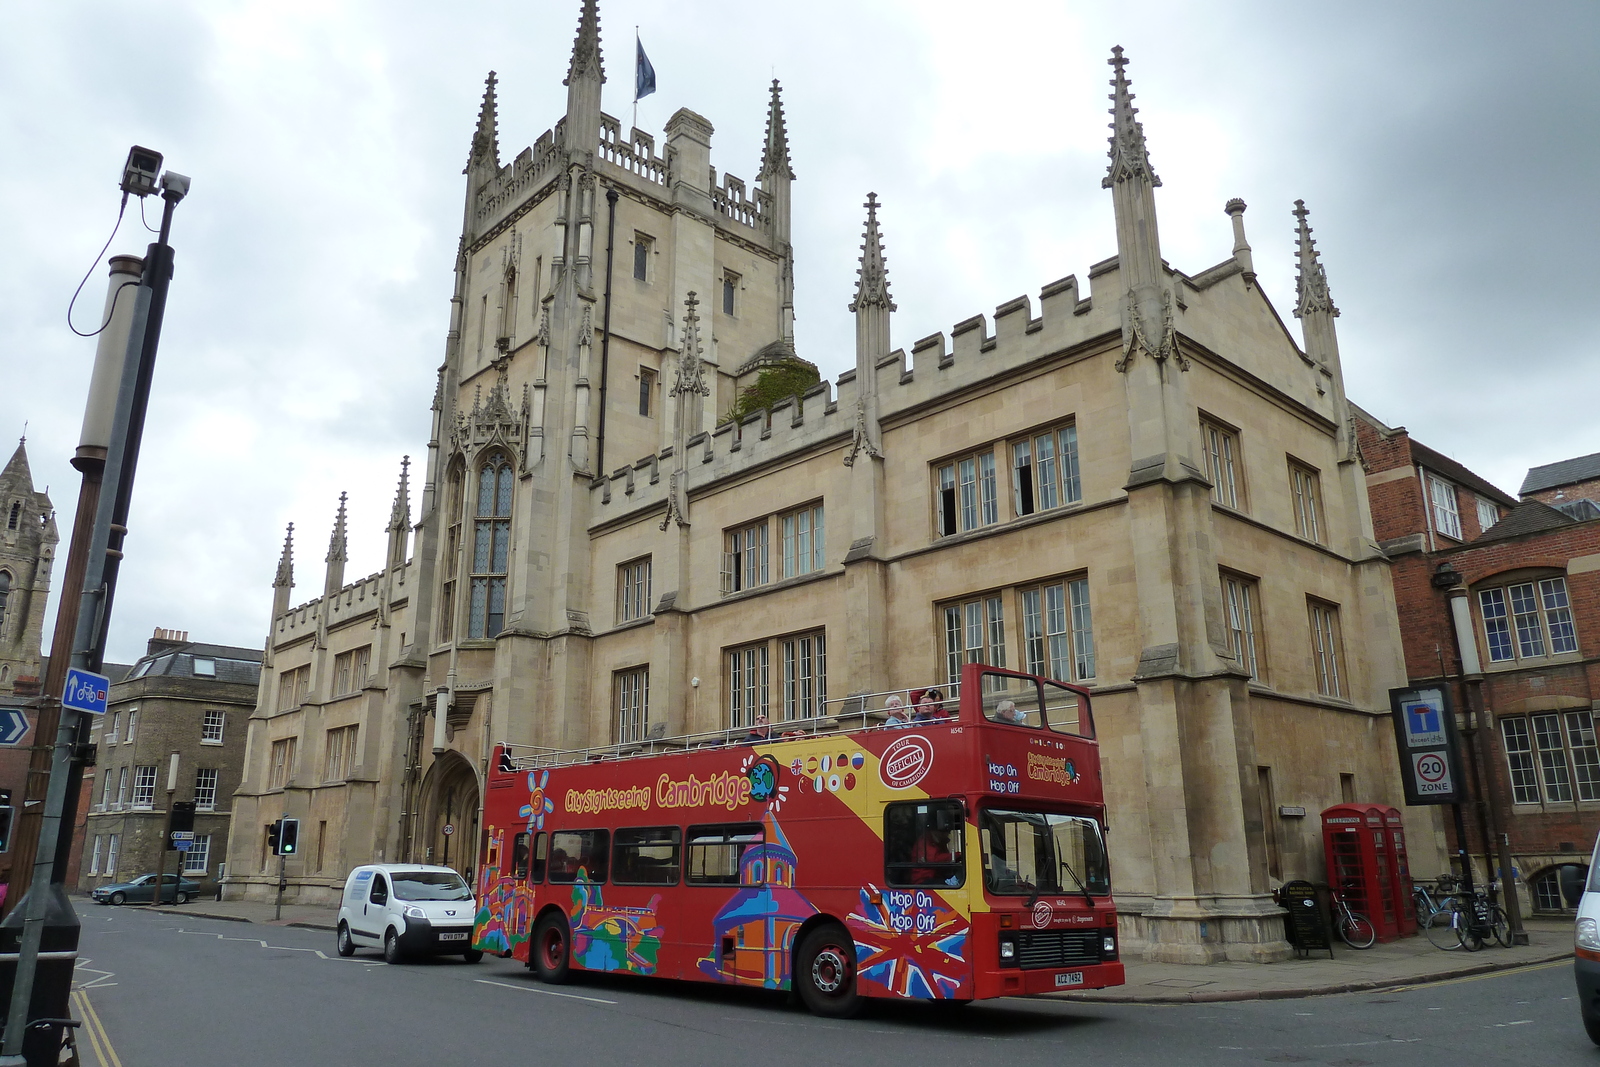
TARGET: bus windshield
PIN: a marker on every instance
(430, 885)
(1029, 852)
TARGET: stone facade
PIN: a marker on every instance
(599, 558)
(1526, 683)
(28, 541)
(181, 698)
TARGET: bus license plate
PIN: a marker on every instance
(1071, 978)
(462, 936)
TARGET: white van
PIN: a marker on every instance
(1586, 953)
(407, 909)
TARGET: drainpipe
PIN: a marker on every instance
(1472, 672)
(605, 335)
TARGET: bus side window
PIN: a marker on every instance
(540, 855)
(716, 852)
(1063, 710)
(923, 843)
(1010, 700)
(519, 856)
(574, 851)
(646, 856)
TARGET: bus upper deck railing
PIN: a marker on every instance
(889, 709)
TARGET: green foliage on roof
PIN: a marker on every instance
(772, 384)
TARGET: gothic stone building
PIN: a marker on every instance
(28, 541)
(1142, 482)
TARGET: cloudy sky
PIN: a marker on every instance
(1447, 152)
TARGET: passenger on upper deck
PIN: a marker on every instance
(930, 706)
(1007, 711)
(894, 711)
(758, 730)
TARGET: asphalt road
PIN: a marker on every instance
(165, 988)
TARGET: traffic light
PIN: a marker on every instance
(288, 837)
(272, 837)
(6, 811)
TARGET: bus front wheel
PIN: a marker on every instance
(551, 949)
(825, 972)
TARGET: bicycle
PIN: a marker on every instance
(1425, 905)
(1355, 929)
(1468, 921)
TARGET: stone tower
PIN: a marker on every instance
(578, 260)
(27, 551)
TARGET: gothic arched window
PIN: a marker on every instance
(491, 547)
(5, 594)
(16, 514)
(451, 566)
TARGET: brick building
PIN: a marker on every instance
(183, 699)
(1520, 583)
(1563, 483)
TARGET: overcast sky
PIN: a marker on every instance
(1447, 151)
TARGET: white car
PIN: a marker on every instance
(407, 909)
(1586, 953)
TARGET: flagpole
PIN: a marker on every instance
(637, 44)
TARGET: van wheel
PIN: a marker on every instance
(347, 947)
(472, 955)
(825, 972)
(551, 949)
(391, 948)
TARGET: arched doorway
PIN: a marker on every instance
(451, 805)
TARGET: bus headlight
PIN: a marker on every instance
(1108, 947)
(1008, 951)
(1588, 934)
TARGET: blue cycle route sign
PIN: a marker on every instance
(13, 726)
(86, 691)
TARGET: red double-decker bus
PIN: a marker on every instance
(905, 845)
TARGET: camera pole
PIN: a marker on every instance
(103, 558)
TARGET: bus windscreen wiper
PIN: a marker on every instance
(1081, 883)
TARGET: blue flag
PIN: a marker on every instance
(644, 75)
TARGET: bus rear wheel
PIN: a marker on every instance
(551, 949)
(825, 972)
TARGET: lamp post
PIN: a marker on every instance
(166, 837)
(46, 902)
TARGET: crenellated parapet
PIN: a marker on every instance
(359, 598)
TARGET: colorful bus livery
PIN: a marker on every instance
(956, 858)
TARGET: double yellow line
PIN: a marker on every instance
(94, 1030)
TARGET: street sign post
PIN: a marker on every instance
(13, 726)
(1425, 734)
(86, 691)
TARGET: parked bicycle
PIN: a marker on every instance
(1354, 928)
(1428, 904)
(1467, 921)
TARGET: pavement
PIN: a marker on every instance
(1407, 962)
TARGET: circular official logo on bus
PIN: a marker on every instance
(1042, 914)
(906, 762)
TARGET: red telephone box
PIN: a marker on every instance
(1361, 864)
(1400, 872)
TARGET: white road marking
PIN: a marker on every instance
(1519, 1022)
(546, 992)
(95, 983)
(278, 948)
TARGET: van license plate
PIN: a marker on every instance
(462, 936)
(1071, 978)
